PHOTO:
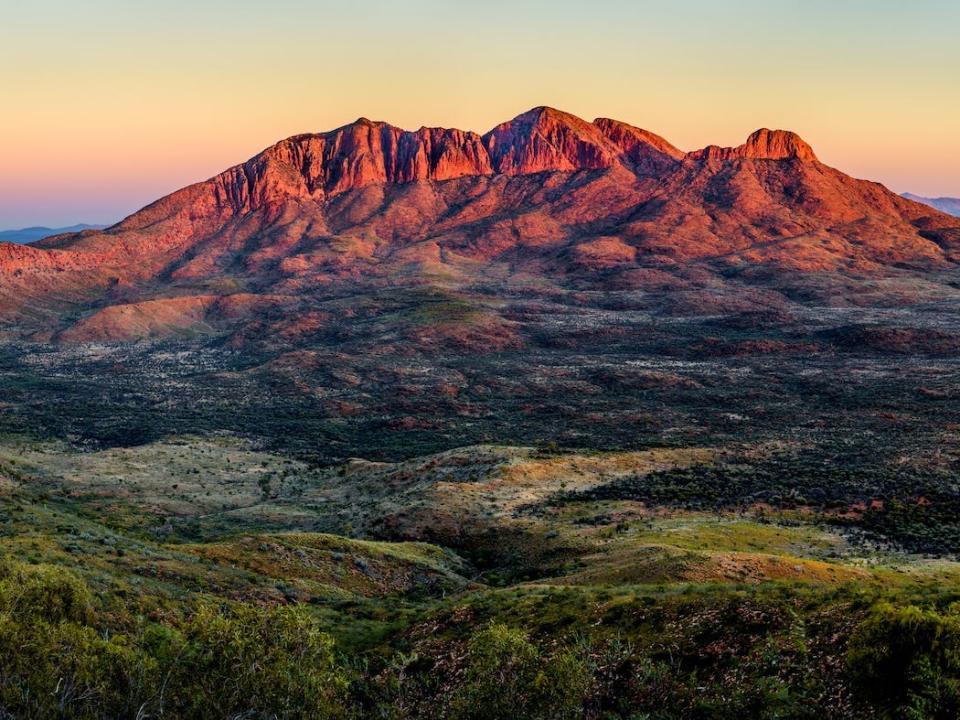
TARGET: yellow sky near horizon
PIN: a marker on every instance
(109, 105)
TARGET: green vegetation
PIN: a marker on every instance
(441, 306)
(908, 660)
(222, 575)
(843, 480)
(536, 652)
(58, 660)
(507, 677)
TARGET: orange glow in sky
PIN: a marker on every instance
(108, 105)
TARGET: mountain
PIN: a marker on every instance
(948, 205)
(32, 234)
(546, 200)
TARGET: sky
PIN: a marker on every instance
(106, 105)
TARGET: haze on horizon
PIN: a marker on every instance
(113, 104)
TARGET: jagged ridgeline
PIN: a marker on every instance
(546, 198)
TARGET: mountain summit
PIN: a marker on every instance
(543, 198)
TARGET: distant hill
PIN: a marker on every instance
(943, 204)
(32, 234)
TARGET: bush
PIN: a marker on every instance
(249, 662)
(252, 662)
(45, 592)
(507, 677)
(67, 670)
(908, 661)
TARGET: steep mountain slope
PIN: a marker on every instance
(546, 199)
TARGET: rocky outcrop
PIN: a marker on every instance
(365, 153)
(762, 144)
(777, 145)
(644, 152)
(544, 140)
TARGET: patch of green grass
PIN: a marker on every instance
(734, 534)
(444, 308)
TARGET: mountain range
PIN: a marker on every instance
(546, 203)
(944, 204)
(32, 234)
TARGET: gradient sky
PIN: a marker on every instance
(106, 105)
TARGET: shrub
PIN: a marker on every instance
(248, 662)
(255, 662)
(53, 664)
(908, 660)
(507, 677)
(45, 592)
